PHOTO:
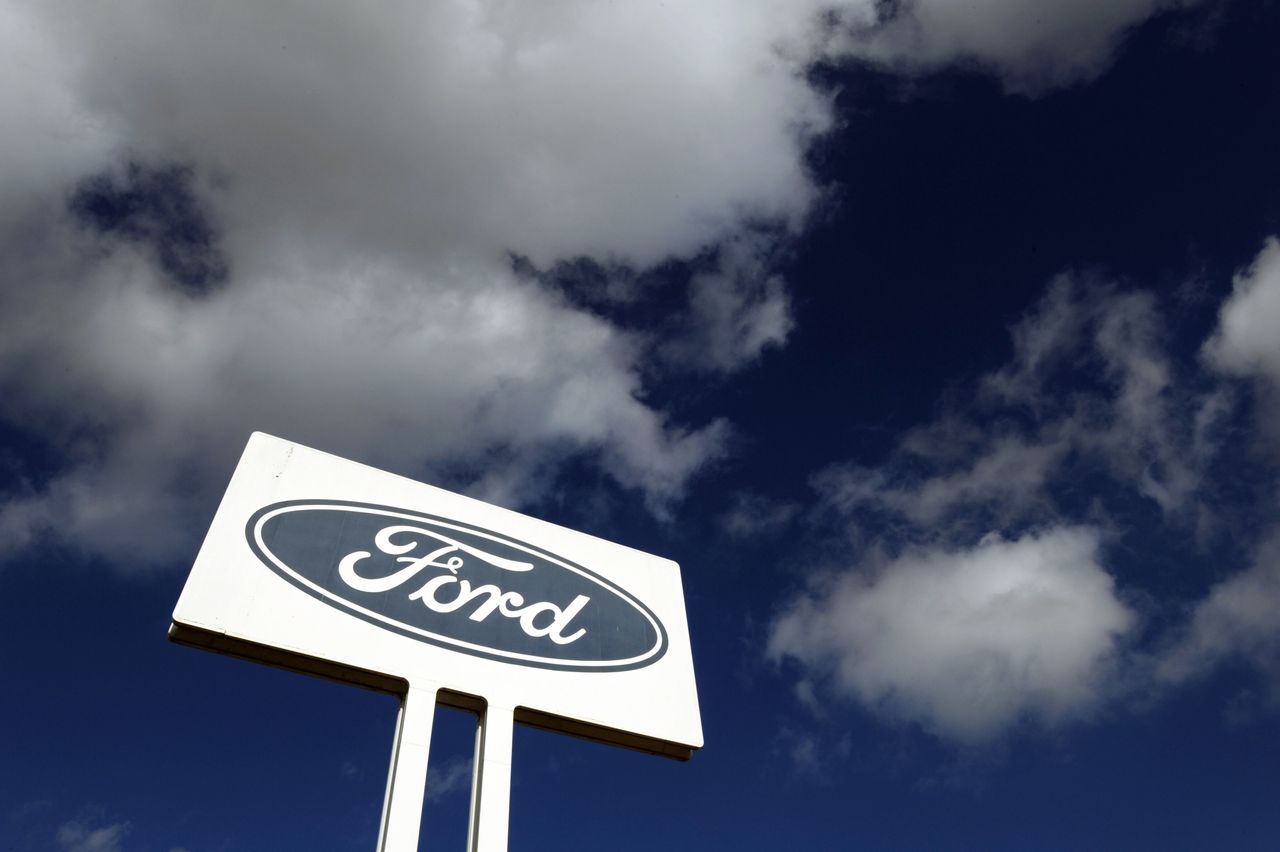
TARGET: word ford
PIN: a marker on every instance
(489, 597)
(475, 591)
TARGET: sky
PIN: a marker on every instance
(938, 341)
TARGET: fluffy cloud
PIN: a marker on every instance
(1246, 343)
(940, 635)
(359, 184)
(1090, 412)
(369, 362)
(301, 218)
(1090, 381)
(1034, 45)
(458, 127)
(966, 641)
(453, 776)
(1238, 619)
(735, 312)
(1007, 475)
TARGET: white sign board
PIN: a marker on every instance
(330, 567)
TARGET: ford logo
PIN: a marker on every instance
(456, 585)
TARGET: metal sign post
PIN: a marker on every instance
(329, 567)
(406, 781)
(491, 783)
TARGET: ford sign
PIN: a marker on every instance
(456, 585)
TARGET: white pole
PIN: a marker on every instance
(491, 781)
(407, 781)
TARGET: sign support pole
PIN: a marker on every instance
(491, 780)
(325, 542)
(407, 780)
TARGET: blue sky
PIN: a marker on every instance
(939, 343)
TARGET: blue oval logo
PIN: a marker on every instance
(456, 585)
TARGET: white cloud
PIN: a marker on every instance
(1238, 619)
(1049, 332)
(1090, 379)
(630, 130)
(50, 137)
(751, 514)
(367, 362)
(1034, 45)
(453, 776)
(1246, 341)
(1151, 432)
(967, 641)
(1008, 473)
(961, 638)
(77, 837)
(735, 312)
(368, 178)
